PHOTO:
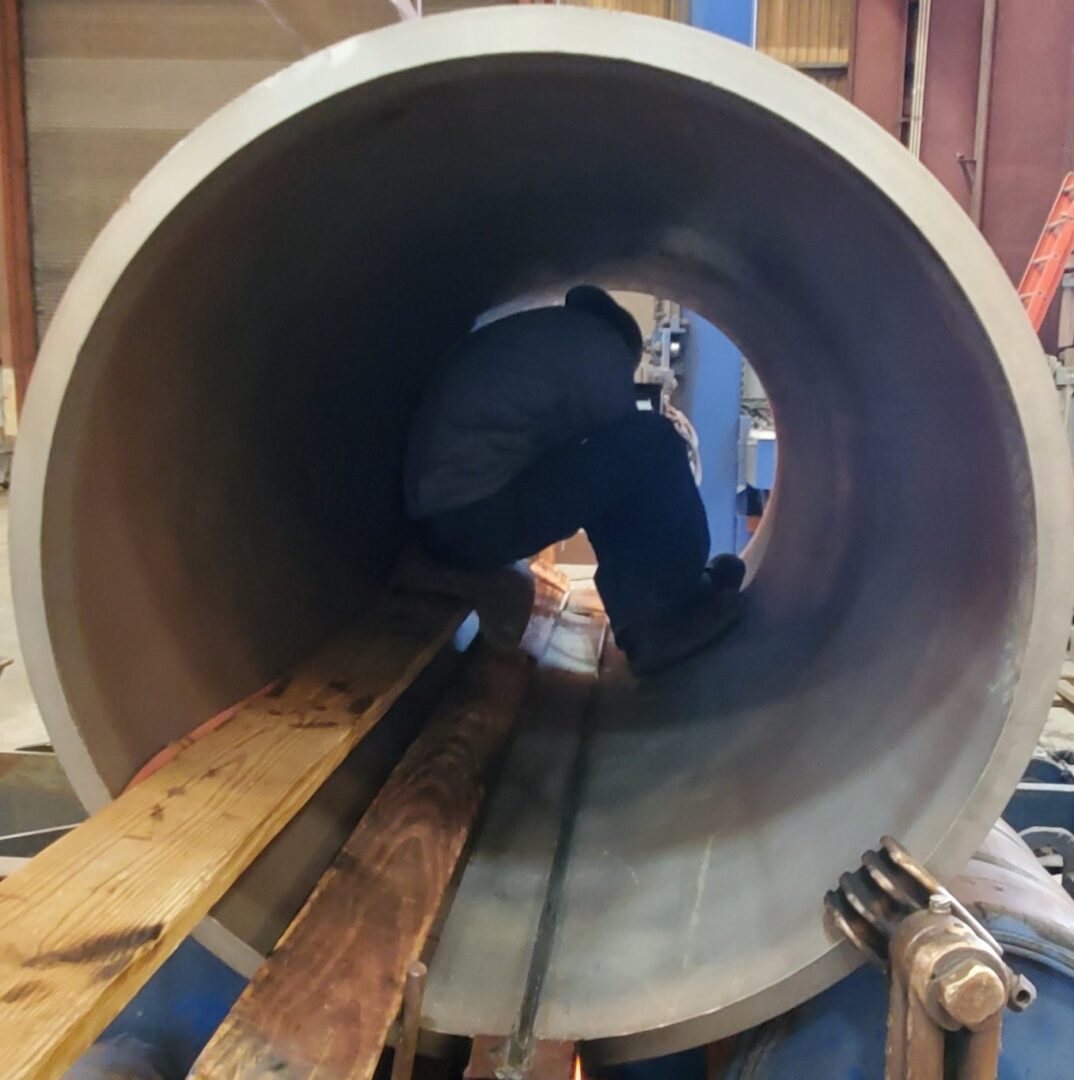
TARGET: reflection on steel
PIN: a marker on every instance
(206, 482)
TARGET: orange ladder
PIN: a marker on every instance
(1045, 270)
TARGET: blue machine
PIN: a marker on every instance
(712, 359)
(839, 1035)
(165, 1027)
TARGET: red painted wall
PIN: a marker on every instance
(952, 70)
(1031, 124)
(878, 60)
(1030, 143)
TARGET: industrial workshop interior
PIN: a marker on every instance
(538, 540)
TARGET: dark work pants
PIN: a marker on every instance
(628, 484)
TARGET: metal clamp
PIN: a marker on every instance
(949, 983)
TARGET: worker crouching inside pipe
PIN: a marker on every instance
(530, 431)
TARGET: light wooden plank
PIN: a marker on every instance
(91, 918)
(346, 955)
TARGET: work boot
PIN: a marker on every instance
(725, 572)
(661, 640)
(502, 598)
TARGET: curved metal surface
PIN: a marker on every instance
(206, 480)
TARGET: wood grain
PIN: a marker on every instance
(323, 1003)
(87, 922)
(485, 945)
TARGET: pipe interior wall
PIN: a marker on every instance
(207, 482)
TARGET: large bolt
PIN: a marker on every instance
(972, 992)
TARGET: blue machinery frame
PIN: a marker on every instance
(713, 360)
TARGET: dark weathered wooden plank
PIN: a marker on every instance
(324, 1001)
(87, 922)
(486, 944)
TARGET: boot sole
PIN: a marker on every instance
(662, 660)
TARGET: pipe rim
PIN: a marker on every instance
(664, 46)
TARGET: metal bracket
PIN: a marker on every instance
(546, 1060)
(949, 983)
(1053, 845)
(406, 1043)
(1062, 374)
(664, 348)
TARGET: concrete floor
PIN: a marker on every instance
(20, 722)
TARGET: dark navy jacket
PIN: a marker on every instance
(508, 394)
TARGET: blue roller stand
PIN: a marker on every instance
(171, 1019)
(839, 1035)
(689, 1065)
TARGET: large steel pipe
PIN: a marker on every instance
(207, 474)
